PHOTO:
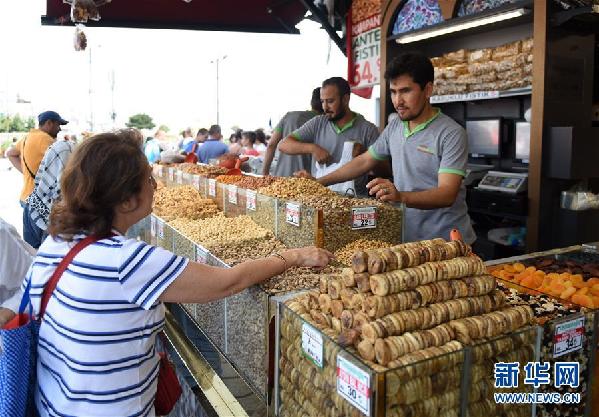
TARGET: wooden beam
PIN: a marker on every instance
(536, 127)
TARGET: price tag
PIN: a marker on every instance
(179, 177)
(568, 337)
(353, 384)
(250, 200)
(195, 181)
(171, 174)
(160, 171)
(212, 187)
(232, 194)
(312, 345)
(160, 227)
(153, 226)
(292, 214)
(363, 218)
(201, 255)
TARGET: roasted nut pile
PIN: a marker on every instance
(296, 188)
(253, 183)
(220, 230)
(345, 254)
(233, 254)
(229, 179)
(208, 170)
(182, 202)
(295, 279)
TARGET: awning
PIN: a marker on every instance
(266, 16)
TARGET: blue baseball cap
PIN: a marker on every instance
(50, 115)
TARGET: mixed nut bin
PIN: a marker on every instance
(262, 337)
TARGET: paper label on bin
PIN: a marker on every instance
(179, 177)
(195, 181)
(292, 214)
(153, 226)
(363, 218)
(212, 187)
(160, 171)
(160, 227)
(250, 200)
(353, 384)
(171, 174)
(201, 255)
(312, 345)
(232, 194)
(568, 337)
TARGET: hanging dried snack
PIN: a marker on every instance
(84, 10)
(80, 40)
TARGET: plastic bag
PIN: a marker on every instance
(509, 49)
(480, 55)
(346, 156)
(80, 40)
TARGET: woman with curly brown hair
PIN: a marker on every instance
(96, 352)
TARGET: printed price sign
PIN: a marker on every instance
(171, 174)
(160, 227)
(312, 345)
(363, 218)
(232, 194)
(201, 255)
(292, 214)
(180, 177)
(250, 200)
(568, 337)
(212, 187)
(195, 181)
(153, 226)
(160, 171)
(353, 384)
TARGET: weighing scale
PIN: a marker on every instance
(475, 173)
(506, 182)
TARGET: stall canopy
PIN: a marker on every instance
(267, 16)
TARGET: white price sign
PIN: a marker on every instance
(171, 174)
(250, 200)
(568, 337)
(180, 177)
(212, 187)
(292, 214)
(195, 181)
(160, 171)
(232, 194)
(353, 384)
(160, 229)
(201, 255)
(153, 226)
(312, 345)
(363, 218)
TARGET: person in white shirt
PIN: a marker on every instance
(16, 256)
(96, 350)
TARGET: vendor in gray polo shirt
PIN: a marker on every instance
(324, 136)
(428, 152)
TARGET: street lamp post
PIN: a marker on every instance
(217, 61)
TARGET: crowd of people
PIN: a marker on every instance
(104, 185)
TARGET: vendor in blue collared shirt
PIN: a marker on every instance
(428, 152)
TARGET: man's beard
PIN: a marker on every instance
(410, 118)
(337, 117)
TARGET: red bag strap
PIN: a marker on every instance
(62, 266)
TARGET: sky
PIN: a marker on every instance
(167, 74)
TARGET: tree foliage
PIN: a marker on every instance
(140, 121)
(15, 123)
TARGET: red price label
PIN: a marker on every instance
(232, 194)
(212, 187)
(292, 214)
(250, 200)
(568, 337)
(363, 218)
(353, 384)
(195, 181)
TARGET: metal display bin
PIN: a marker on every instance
(265, 214)
(186, 176)
(235, 201)
(164, 234)
(169, 176)
(298, 225)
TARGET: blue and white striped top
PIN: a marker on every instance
(96, 354)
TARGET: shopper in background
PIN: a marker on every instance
(26, 156)
(99, 330)
(235, 143)
(324, 137)
(261, 144)
(287, 165)
(186, 139)
(248, 140)
(428, 152)
(15, 258)
(152, 150)
(47, 188)
(213, 147)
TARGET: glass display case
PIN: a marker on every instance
(235, 201)
(298, 225)
(263, 210)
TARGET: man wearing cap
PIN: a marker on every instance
(26, 156)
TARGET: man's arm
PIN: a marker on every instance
(14, 156)
(293, 146)
(270, 151)
(353, 169)
(444, 195)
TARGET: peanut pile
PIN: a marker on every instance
(296, 188)
(185, 202)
